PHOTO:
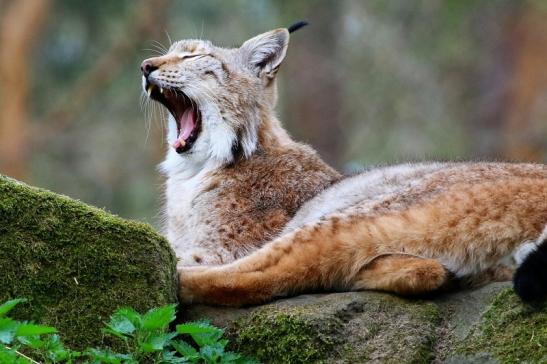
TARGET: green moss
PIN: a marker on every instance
(407, 331)
(283, 336)
(76, 264)
(510, 332)
(353, 327)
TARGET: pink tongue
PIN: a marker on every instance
(187, 124)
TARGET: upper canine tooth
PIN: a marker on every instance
(161, 89)
(149, 91)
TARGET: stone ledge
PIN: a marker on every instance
(76, 264)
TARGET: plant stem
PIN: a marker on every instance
(23, 355)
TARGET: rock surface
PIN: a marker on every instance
(77, 264)
(486, 325)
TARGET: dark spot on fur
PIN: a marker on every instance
(237, 149)
(211, 73)
(197, 259)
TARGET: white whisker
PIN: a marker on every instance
(168, 38)
(159, 45)
(154, 51)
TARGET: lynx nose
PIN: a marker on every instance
(147, 67)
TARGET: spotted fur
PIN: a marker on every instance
(259, 215)
(244, 178)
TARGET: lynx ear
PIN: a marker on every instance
(264, 53)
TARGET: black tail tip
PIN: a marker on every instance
(299, 24)
(530, 280)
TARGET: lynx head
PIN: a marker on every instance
(216, 97)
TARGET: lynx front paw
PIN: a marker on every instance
(187, 284)
(220, 286)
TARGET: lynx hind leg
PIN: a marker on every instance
(530, 280)
(401, 274)
(314, 258)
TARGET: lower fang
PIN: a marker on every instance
(179, 143)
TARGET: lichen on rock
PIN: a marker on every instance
(509, 332)
(76, 264)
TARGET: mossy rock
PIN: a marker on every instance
(485, 325)
(508, 332)
(76, 264)
(353, 327)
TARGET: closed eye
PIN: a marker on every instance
(186, 56)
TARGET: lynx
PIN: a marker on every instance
(253, 215)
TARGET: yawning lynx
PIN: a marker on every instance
(262, 216)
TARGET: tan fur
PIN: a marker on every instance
(471, 224)
(245, 178)
(247, 188)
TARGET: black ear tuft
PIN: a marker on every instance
(530, 280)
(299, 24)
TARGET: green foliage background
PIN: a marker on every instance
(368, 82)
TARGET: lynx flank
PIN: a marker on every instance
(253, 215)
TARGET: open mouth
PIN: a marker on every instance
(184, 111)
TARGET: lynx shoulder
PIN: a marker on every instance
(254, 215)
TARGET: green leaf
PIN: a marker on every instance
(159, 318)
(53, 342)
(170, 357)
(115, 333)
(33, 342)
(230, 358)
(25, 329)
(56, 351)
(184, 349)
(198, 328)
(211, 353)
(202, 332)
(234, 358)
(9, 305)
(123, 322)
(157, 342)
(106, 356)
(7, 330)
(130, 314)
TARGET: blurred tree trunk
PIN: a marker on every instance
(513, 108)
(21, 21)
(314, 93)
(528, 88)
